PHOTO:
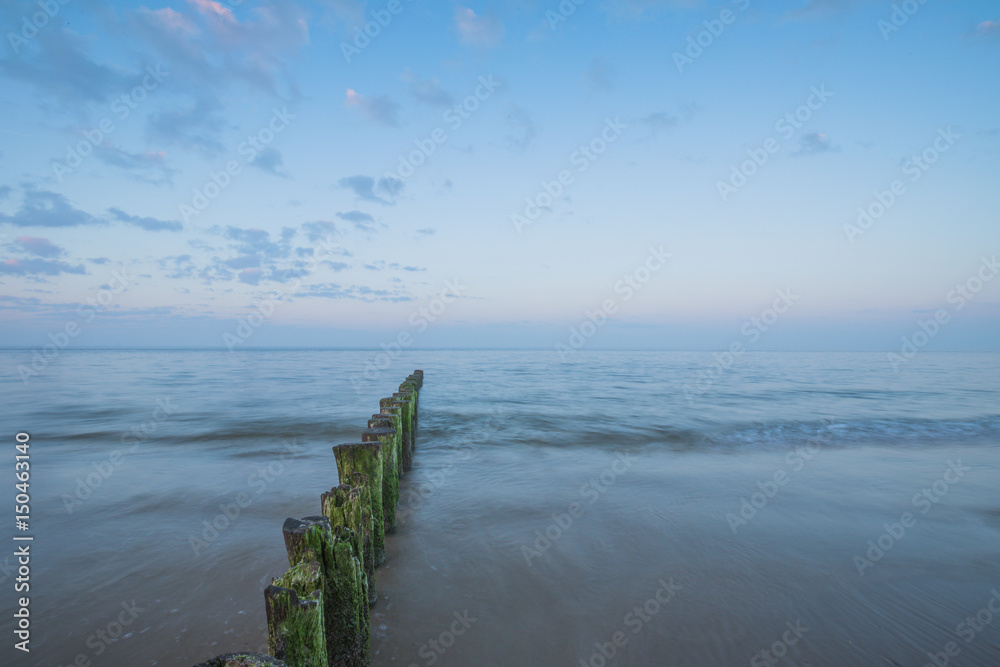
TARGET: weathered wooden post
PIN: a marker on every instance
(350, 505)
(345, 596)
(392, 420)
(366, 458)
(407, 404)
(295, 627)
(390, 470)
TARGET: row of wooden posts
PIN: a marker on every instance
(317, 611)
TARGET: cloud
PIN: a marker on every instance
(211, 52)
(34, 267)
(38, 246)
(55, 62)
(149, 224)
(368, 189)
(426, 231)
(600, 75)
(988, 29)
(319, 230)
(659, 120)
(270, 160)
(5, 191)
(255, 241)
(479, 31)
(145, 167)
(379, 110)
(428, 91)
(194, 128)
(522, 129)
(208, 44)
(43, 208)
(813, 143)
(359, 292)
(99, 260)
(253, 256)
(360, 220)
(250, 276)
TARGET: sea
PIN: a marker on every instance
(600, 508)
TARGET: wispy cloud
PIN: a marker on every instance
(479, 31)
(521, 128)
(379, 110)
(812, 143)
(150, 167)
(428, 91)
(988, 29)
(270, 160)
(600, 75)
(149, 224)
(36, 267)
(383, 191)
(38, 246)
(359, 219)
(43, 208)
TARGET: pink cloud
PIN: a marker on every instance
(212, 8)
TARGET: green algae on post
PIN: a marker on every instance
(390, 470)
(345, 596)
(295, 627)
(366, 458)
(350, 505)
(407, 406)
(391, 418)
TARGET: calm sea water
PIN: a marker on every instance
(800, 509)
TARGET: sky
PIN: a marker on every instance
(626, 174)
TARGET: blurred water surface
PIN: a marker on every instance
(551, 506)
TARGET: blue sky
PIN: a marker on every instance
(183, 166)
